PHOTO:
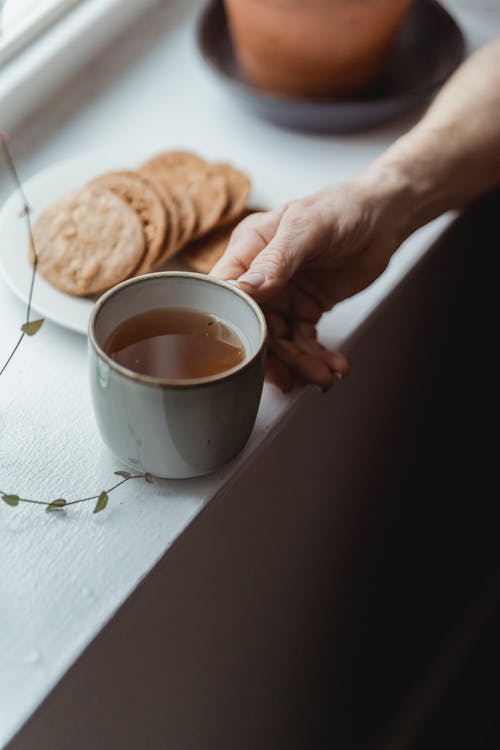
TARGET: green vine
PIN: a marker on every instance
(30, 328)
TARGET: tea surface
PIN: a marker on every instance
(175, 344)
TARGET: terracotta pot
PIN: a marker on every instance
(313, 48)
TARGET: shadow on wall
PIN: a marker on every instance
(419, 661)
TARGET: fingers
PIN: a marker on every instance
(266, 249)
(294, 304)
(277, 326)
(248, 239)
(304, 335)
(276, 263)
(306, 366)
(294, 345)
(335, 361)
(278, 373)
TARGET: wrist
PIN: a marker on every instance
(398, 200)
(418, 178)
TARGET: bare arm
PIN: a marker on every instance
(452, 155)
(301, 260)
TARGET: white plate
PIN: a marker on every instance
(41, 190)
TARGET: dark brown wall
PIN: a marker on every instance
(315, 617)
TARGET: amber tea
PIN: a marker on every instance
(175, 344)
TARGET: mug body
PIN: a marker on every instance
(181, 428)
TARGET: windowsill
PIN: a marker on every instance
(68, 585)
(35, 73)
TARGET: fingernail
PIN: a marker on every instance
(232, 281)
(252, 279)
(339, 376)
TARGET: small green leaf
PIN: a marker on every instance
(11, 499)
(101, 502)
(56, 505)
(149, 478)
(32, 327)
(124, 474)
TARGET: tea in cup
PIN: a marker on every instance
(176, 371)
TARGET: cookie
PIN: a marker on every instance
(142, 197)
(190, 175)
(187, 216)
(171, 239)
(170, 243)
(238, 188)
(176, 162)
(185, 210)
(208, 191)
(202, 254)
(88, 241)
(183, 205)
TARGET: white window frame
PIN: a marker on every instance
(42, 66)
(31, 24)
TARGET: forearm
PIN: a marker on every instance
(452, 156)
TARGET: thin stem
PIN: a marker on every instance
(26, 212)
(12, 352)
(12, 167)
(33, 276)
(34, 502)
(81, 499)
(96, 497)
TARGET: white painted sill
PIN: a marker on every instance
(39, 70)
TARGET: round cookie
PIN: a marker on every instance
(187, 216)
(208, 192)
(202, 254)
(172, 212)
(169, 246)
(189, 174)
(176, 200)
(141, 196)
(88, 241)
(238, 187)
(175, 162)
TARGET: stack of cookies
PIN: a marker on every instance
(126, 223)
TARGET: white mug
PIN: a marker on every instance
(176, 428)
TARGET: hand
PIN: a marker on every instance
(301, 260)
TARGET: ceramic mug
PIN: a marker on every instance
(176, 428)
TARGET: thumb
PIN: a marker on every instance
(272, 269)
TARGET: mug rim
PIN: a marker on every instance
(171, 382)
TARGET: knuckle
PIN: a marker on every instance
(296, 217)
(240, 229)
(275, 265)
